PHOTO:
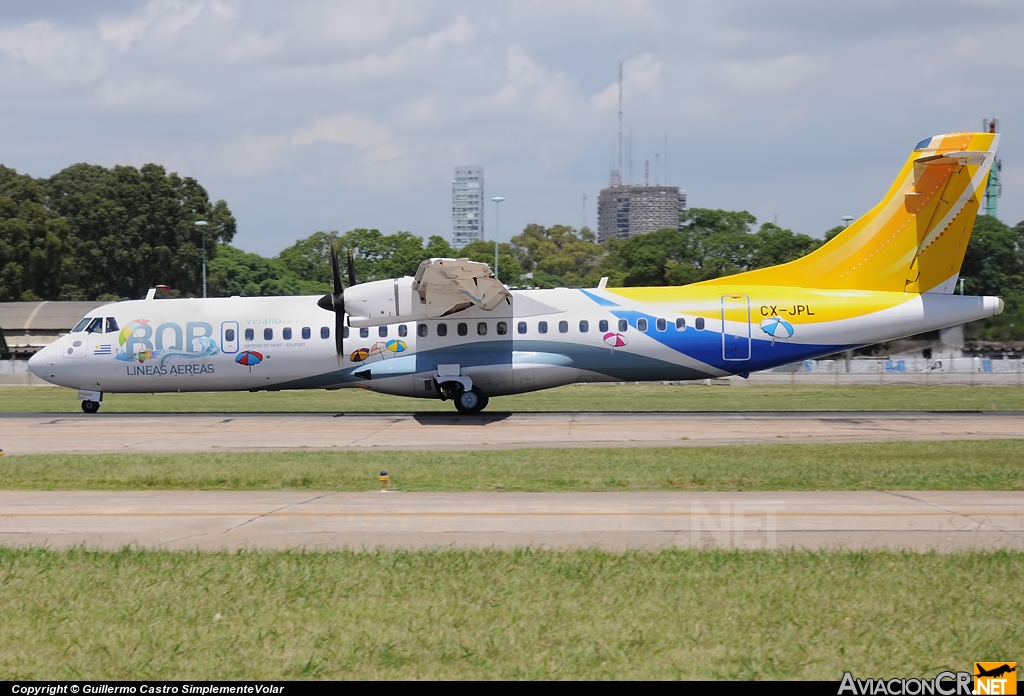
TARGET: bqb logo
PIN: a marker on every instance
(995, 678)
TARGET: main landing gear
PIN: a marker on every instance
(466, 400)
(471, 401)
(90, 406)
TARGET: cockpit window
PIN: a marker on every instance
(112, 325)
(95, 326)
(81, 325)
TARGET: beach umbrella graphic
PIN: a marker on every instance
(359, 354)
(615, 340)
(777, 327)
(379, 349)
(249, 358)
(396, 346)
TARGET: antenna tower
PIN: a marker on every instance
(617, 173)
(994, 188)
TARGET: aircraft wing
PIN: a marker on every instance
(449, 285)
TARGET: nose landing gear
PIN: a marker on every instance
(90, 400)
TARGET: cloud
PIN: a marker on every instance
(359, 110)
(346, 129)
(58, 54)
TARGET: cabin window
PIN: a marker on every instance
(563, 327)
(502, 328)
(641, 324)
(442, 329)
(382, 331)
(542, 326)
(364, 332)
(250, 334)
(462, 328)
(481, 328)
(229, 335)
(306, 333)
(680, 324)
(287, 332)
(325, 331)
(623, 326)
(421, 330)
(602, 325)
(112, 325)
(699, 324)
(662, 325)
(81, 325)
(345, 331)
(268, 334)
(403, 330)
(95, 326)
(584, 326)
(521, 327)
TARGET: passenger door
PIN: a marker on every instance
(735, 327)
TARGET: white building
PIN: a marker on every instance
(467, 206)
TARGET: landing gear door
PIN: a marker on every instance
(735, 327)
(229, 337)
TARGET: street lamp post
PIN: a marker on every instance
(497, 200)
(201, 224)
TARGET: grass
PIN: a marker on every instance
(957, 465)
(504, 615)
(628, 397)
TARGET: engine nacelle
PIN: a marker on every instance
(383, 302)
(441, 287)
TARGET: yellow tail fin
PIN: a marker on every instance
(914, 240)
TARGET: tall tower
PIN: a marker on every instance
(994, 189)
(467, 206)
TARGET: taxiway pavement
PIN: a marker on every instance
(920, 521)
(211, 432)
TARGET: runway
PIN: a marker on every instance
(920, 521)
(205, 432)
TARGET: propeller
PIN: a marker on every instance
(335, 302)
(351, 269)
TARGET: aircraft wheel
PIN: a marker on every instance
(471, 401)
(90, 406)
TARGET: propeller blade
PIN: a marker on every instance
(338, 287)
(351, 269)
(335, 302)
(339, 334)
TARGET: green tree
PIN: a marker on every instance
(994, 260)
(509, 270)
(134, 228)
(994, 265)
(377, 256)
(776, 245)
(558, 255)
(34, 243)
(235, 272)
(709, 244)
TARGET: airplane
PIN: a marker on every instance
(995, 671)
(455, 332)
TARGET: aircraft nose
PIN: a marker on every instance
(36, 364)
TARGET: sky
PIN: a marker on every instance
(336, 114)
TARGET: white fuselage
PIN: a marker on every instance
(541, 339)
